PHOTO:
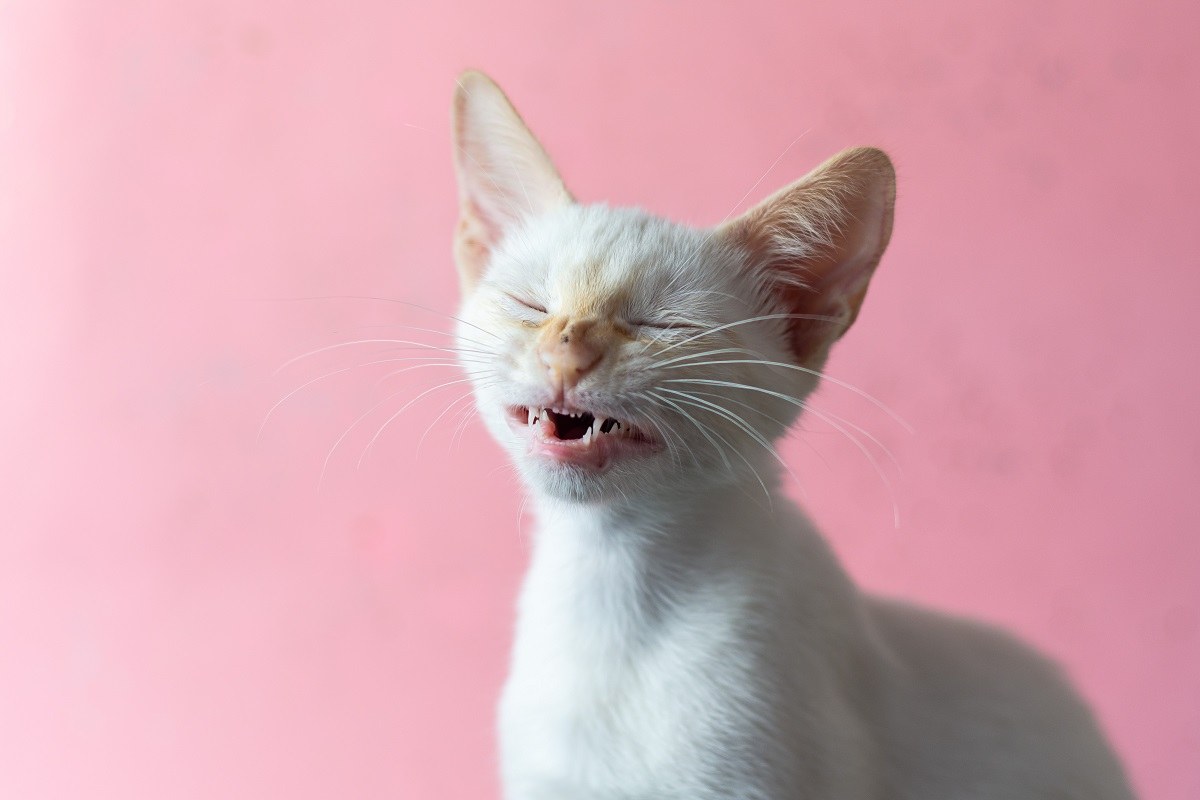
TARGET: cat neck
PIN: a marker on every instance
(650, 544)
(606, 576)
(669, 516)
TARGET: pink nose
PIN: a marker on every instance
(569, 350)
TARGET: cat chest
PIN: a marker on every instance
(593, 706)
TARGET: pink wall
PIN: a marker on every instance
(183, 615)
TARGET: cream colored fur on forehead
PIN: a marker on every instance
(597, 257)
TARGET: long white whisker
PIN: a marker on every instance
(468, 413)
(383, 300)
(404, 408)
(668, 432)
(705, 354)
(717, 228)
(739, 422)
(736, 452)
(703, 430)
(763, 177)
(358, 421)
(781, 425)
(319, 378)
(438, 418)
(859, 429)
(887, 484)
(801, 404)
(747, 321)
(327, 348)
(814, 372)
(443, 364)
(447, 334)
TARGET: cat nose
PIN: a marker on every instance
(569, 349)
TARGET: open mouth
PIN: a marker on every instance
(578, 436)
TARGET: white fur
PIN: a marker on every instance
(683, 631)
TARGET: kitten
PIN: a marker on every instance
(678, 635)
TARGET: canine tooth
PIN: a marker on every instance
(544, 416)
(587, 436)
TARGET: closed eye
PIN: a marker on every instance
(527, 303)
(664, 325)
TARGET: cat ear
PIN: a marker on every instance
(816, 243)
(504, 175)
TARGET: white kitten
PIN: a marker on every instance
(679, 636)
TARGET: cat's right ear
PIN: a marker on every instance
(504, 174)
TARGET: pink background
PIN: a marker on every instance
(184, 615)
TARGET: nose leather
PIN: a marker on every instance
(569, 349)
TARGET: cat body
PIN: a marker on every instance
(683, 631)
(722, 654)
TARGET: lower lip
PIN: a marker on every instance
(595, 455)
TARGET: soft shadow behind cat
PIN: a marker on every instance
(683, 631)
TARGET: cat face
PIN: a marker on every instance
(615, 354)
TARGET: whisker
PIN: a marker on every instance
(466, 414)
(521, 519)
(713, 231)
(859, 429)
(806, 370)
(748, 321)
(319, 378)
(438, 418)
(403, 408)
(327, 348)
(740, 423)
(785, 428)
(444, 364)
(706, 353)
(703, 430)
(736, 452)
(353, 425)
(382, 300)
(801, 404)
(668, 433)
(447, 334)
(726, 441)
(887, 484)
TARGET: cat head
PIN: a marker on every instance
(615, 354)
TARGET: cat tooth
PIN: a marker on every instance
(544, 416)
(587, 437)
(530, 418)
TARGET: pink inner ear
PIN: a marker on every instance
(818, 242)
(819, 299)
(504, 175)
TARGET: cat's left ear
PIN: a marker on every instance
(817, 242)
(504, 174)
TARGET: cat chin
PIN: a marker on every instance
(578, 486)
(619, 481)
